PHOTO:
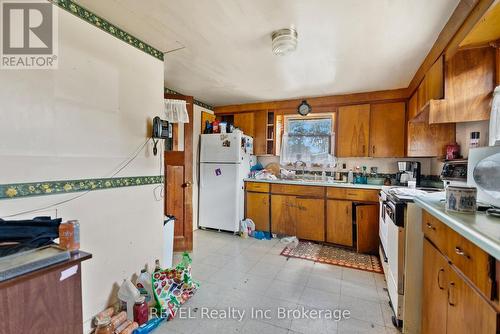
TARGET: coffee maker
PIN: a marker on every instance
(408, 171)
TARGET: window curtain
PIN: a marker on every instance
(176, 111)
(314, 150)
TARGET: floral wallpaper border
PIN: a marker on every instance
(102, 24)
(198, 103)
(18, 190)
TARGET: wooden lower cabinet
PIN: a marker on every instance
(367, 219)
(435, 294)
(257, 209)
(299, 216)
(283, 214)
(339, 222)
(450, 304)
(310, 218)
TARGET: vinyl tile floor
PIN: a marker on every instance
(247, 287)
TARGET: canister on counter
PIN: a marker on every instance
(461, 199)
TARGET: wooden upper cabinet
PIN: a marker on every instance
(413, 106)
(246, 122)
(431, 87)
(387, 130)
(470, 81)
(426, 140)
(353, 131)
(260, 132)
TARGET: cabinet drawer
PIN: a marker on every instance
(472, 261)
(289, 189)
(435, 231)
(361, 195)
(338, 193)
(259, 187)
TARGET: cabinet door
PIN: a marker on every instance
(257, 209)
(339, 222)
(353, 131)
(387, 130)
(260, 133)
(283, 214)
(426, 140)
(413, 106)
(310, 218)
(245, 121)
(367, 217)
(468, 312)
(434, 291)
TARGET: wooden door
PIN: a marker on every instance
(257, 209)
(178, 181)
(387, 130)
(353, 131)
(434, 291)
(310, 218)
(339, 222)
(468, 312)
(205, 116)
(283, 214)
(367, 228)
(260, 133)
(245, 121)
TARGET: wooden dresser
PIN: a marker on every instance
(48, 300)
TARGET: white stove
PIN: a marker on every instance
(401, 240)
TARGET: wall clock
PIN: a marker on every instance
(304, 108)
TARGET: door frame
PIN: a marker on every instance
(183, 242)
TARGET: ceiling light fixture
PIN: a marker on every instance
(284, 41)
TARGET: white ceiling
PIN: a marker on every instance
(345, 46)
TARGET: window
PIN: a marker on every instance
(310, 139)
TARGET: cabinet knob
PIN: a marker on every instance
(460, 252)
(430, 227)
(451, 302)
(439, 279)
(373, 149)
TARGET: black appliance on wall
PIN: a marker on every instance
(162, 129)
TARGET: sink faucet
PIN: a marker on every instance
(301, 163)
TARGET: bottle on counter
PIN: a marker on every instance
(157, 266)
(141, 311)
(69, 235)
(104, 325)
(350, 176)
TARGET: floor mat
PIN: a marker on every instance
(333, 255)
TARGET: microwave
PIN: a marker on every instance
(483, 172)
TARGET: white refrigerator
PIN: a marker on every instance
(224, 162)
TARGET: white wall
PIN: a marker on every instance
(81, 121)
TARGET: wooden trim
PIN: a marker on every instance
(464, 17)
(318, 104)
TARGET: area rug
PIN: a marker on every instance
(333, 255)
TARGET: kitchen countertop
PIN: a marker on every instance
(479, 228)
(319, 183)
